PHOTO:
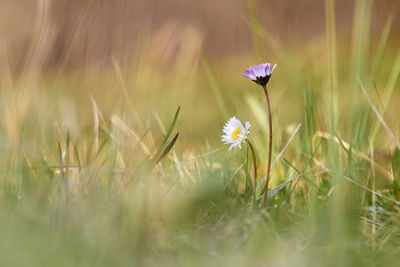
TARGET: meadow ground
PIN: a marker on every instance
(81, 184)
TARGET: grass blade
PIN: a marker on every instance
(167, 148)
(216, 89)
(168, 134)
(396, 173)
(262, 182)
(380, 52)
(391, 134)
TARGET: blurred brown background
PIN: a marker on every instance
(80, 32)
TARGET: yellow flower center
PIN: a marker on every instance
(235, 133)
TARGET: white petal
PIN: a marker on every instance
(273, 68)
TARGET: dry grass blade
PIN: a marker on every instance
(261, 184)
(286, 146)
(234, 174)
(356, 183)
(125, 128)
(159, 122)
(282, 185)
(391, 134)
(121, 80)
(65, 181)
(355, 152)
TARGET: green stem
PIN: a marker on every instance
(254, 171)
(269, 145)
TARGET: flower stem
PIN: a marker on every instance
(269, 144)
(254, 172)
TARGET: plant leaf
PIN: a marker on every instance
(167, 148)
(170, 129)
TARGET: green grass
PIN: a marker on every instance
(91, 174)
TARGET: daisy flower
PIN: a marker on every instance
(259, 74)
(235, 133)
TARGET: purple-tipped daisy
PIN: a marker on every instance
(259, 74)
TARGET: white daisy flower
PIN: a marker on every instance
(235, 133)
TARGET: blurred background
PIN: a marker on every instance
(88, 33)
(186, 52)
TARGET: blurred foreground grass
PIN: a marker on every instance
(77, 188)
